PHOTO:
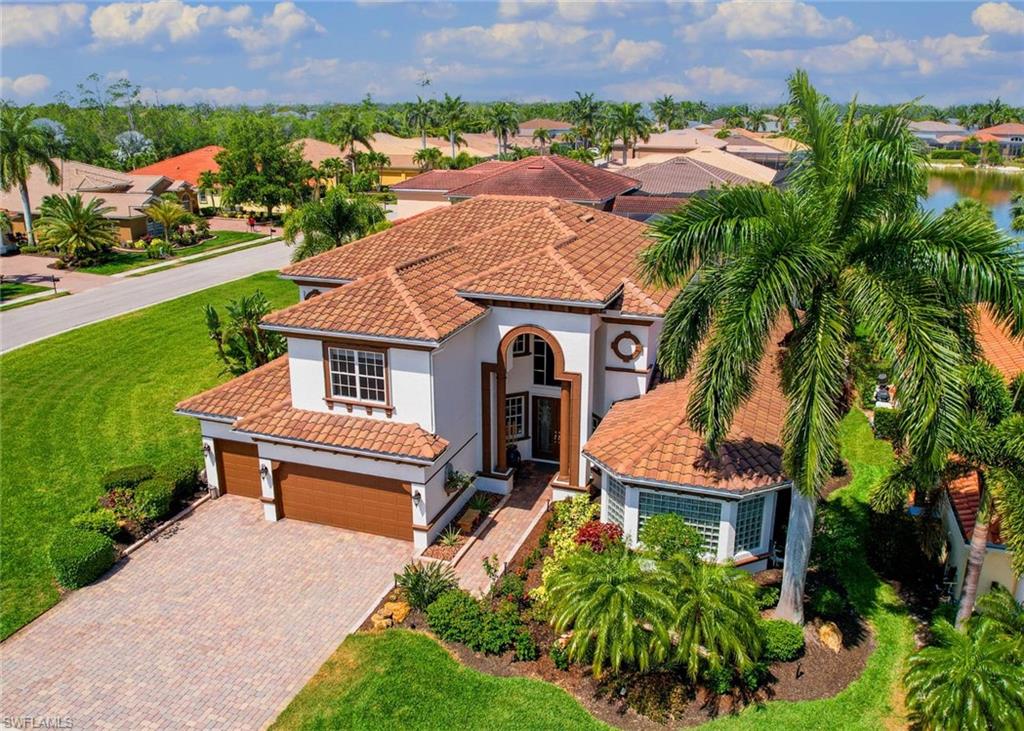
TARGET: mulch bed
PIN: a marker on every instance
(132, 532)
(447, 553)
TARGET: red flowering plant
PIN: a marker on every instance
(598, 535)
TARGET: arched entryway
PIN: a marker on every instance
(569, 401)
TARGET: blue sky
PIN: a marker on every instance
(294, 52)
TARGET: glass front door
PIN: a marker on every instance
(546, 426)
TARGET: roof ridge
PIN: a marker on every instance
(424, 258)
(487, 176)
(712, 170)
(627, 282)
(396, 281)
(574, 274)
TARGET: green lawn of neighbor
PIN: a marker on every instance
(10, 290)
(121, 261)
(402, 680)
(78, 404)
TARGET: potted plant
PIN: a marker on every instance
(456, 481)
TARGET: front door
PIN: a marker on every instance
(546, 425)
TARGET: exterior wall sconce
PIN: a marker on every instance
(417, 498)
(264, 470)
(207, 449)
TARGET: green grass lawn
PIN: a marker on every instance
(10, 290)
(404, 680)
(120, 261)
(80, 403)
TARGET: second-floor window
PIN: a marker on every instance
(357, 375)
(543, 364)
(515, 416)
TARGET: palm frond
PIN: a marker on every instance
(687, 321)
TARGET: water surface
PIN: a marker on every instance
(946, 187)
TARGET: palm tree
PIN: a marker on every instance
(665, 111)
(452, 115)
(169, 213)
(627, 122)
(350, 129)
(734, 117)
(992, 112)
(421, 118)
(75, 229)
(428, 158)
(502, 122)
(613, 605)
(337, 219)
(542, 137)
(24, 145)
(999, 607)
(208, 184)
(841, 249)
(1017, 212)
(757, 120)
(990, 153)
(583, 112)
(333, 167)
(582, 154)
(966, 681)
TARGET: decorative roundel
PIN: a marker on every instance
(627, 346)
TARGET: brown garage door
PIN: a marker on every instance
(346, 500)
(239, 468)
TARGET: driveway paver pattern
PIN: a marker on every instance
(216, 624)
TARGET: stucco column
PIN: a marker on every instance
(565, 471)
(604, 497)
(268, 490)
(631, 515)
(210, 464)
(499, 421)
(727, 531)
(768, 519)
(1019, 594)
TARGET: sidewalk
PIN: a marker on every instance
(167, 264)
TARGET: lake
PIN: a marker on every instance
(946, 187)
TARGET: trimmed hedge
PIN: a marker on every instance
(458, 617)
(887, 425)
(947, 154)
(154, 497)
(183, 477)
(79, 557)
(126, 478)
(782, 641)
(100, 520)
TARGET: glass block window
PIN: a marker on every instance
(357, 374)
(749, 518)
(515, 417)
(704, 515)
(615, 494)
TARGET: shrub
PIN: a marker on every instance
(887, 425)
(153, 498)
(718, 680)
(455, 616)
(422, 584)
(480, 502)
(667, 534)
(79, 557)
(100, 520)
(500, 629)
(767, 597)
(183, 476)
(754, 676)
(450, 537)
(947, 154)
(970, 159)
(782, 641)
(828, 603)
(510, 586)
(526, 648)
(559, 656)
(126, 478)
(598, 535)
(835, 540)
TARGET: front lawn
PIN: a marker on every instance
(122, 261)
(404, 680)
(77, 404)
(10, 290)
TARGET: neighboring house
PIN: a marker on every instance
(127, 194)
(930, 130)
(1010, 137)
(400, 150)
(546, 176)
(675, 142)
(957, 141)
(960, 503)
(189, 166)
(557, 127)
(432, 347)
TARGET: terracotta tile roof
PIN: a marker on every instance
(1005, 129)
(360, 433)
(933, 125)
(542, 123)
(998, 347)
(408, 278)
(684, 175)
(679, 139)
(187, 166)
(649, 437)
(447, 179)
(733, 163)
(964, 496)
(246, 395)
(652, 204)
(548, 175)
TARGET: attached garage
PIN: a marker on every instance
(345, 500)
(238, 468)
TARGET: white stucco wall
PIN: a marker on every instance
(618, 385)
(997, 559)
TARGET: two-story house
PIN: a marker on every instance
(436, 346)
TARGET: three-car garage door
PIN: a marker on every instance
(346, 500)
(238, 467)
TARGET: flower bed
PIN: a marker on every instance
(451, 540)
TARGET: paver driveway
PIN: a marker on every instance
(217, 625)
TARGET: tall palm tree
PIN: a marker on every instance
(333, 167)
(77, 230)
(337, 219)
(421, 118)
(991, 154)
(665, 111)
(757, 120)
(999, 608)
(169, 214)
(453, 114)
(614, 606)
(542, 137)
(992, 112)
(208, 184)
(627, 122)
(844, 247)
(966, 681)
(502, 122)
(351, 129)
(24, 145)
(428, 158)
(584, 113)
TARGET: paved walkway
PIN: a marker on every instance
(215, 626)
(35, 270)
(508, 528)
(44, 319)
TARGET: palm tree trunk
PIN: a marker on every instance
(352, 156)
(625, 148)
(451, 138)
(798, 552)
(975, 559)
(26, 209)
(423, 138)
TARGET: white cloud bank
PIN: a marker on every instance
(22, 24)
(26, 86)
(999, 18)
(128, 23)
(286, 23)
(739, 19)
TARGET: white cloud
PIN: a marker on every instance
(129, 23)
(286, 23)
(224, 95)
(718, 80)
(737, 19)
(628, 55)
(576, 11)
(321, 68)
(533, 41)
(865, 52)
(999, 18)
(38, 24)
(647, 89)
(715, 81)
(25, 86)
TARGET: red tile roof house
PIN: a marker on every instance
(435, 345)
(1010, 136)
(960, 505)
